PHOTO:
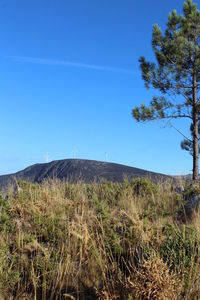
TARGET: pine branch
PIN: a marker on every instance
(171, 125)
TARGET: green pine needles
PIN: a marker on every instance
(176, 75)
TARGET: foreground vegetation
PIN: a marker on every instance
(97, 241)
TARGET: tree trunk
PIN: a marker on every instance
(195, 133)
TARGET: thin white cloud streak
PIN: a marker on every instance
(64, 63)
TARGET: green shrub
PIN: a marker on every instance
(190, 190)
(143, 187)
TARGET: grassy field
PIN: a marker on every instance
(97, 241)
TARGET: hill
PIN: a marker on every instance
(74, 170)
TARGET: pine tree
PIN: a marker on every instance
(175, 74)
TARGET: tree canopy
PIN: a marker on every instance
(175, 74)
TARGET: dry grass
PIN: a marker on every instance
(106, 241)
(153, 281)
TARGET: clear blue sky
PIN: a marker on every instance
(70, 77)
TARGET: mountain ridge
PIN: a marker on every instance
(74, 170)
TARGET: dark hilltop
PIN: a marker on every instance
(75, 170)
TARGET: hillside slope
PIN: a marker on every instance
(74, 170)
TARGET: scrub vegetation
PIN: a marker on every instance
(98, 241)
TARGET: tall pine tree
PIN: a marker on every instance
(175, 74)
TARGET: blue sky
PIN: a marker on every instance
(69, 79)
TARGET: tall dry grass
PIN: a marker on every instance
(97, 241)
